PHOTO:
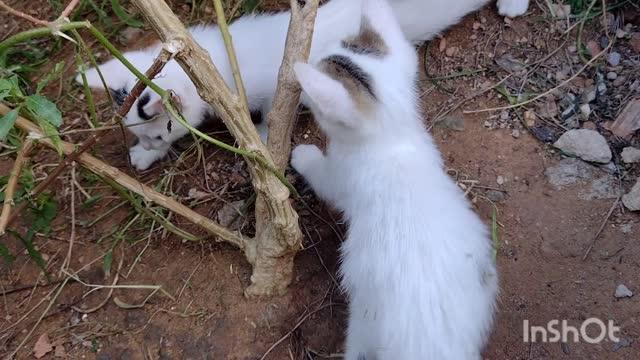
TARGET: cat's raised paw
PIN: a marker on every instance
(304, 156)
(142, 159)
(512, 8)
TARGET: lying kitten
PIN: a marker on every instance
(259, 43)
(417, 263)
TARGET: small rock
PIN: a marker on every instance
(451, 51)
(630, 155)
(632, 199)
(487, 124)
(585, 109)
(589, 125)
(619, 80)
(623, 343)
(567, 172)
(530, 118)
(594, 48)
(589, 94)
(613, 58)
(443, 44)
(628, 120)
(602, 89)
(495, 195)
(500, 180)
(587, 144)
(612, 75)
(622, 292)
(452, 122)
(544, 133)
(515, 133)
(230, 216)
(549, 108)
(605, 187)
(626, 228)
(620, 33)
(476, 25)
(510, 64)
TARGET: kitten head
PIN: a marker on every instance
(147, 118)
(354, 92)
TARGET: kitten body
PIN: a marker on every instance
(259, 42)
(417, 263)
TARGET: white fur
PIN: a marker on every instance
(417, 263)
(259, 44)
(512, 8)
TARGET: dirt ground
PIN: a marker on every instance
(502, 161)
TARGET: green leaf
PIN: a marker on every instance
(7, 122)
(50, 76)
(44, 213)
(123, 15)
(4, 252)
(43, 109)
(51, 133)
(108, 260)
(34, 254)
(90, 202)
(5, 88)
(249, 6)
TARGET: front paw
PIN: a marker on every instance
(142, 159)
(304, 156)
(512, 8)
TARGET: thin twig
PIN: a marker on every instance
(588, 64)
(100, 168)
(604, 222)
(21, 159)
(69, 9)
(72, 235)
(231, 53)
(20, 14)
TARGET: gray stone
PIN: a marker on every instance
(568, 172)
(630, 155)
(622, 292)
(632, 199)
(613, 58)
(587, 144)
(496, 196)
(451, 122)
(612, 75)
(626, 228)
(605, 187)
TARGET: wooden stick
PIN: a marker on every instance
(280, 237)
(100, 168)
(21, 159)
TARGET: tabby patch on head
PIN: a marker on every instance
(368, 42)
(357, 82)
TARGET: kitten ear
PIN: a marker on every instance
(324, 92)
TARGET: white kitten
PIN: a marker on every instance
(417, 263)
(259, 44)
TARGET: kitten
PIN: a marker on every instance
(259, 43)
(417, 264)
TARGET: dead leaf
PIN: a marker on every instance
(229, 215)
(42, 346)
(548, 109)
(60, 351)
(635, 42)
(529, 118)
(628, 121)
(509, 63)
(561, 11)
(443, 44)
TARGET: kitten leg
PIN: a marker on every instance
(142, 159)
(512, 8)
(356, 342)
(309, 161)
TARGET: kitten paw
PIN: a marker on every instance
(512, 8)
(142, 159)
(303, 157)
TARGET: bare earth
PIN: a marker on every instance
(544, 231)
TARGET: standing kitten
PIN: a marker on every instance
(417, 263)
(259, 43)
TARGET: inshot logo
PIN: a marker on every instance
(592, 331)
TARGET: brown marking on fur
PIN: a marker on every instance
(358, 90)
(368, 42)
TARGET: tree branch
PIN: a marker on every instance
(100, 168)
(21, 159)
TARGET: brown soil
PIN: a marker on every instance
(543, 234)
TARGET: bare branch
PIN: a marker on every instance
(69, 9)
(100, 168)
(21, 159)
(20, 14)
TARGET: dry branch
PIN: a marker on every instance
(100, 168)
(277, 241)
(21, 159)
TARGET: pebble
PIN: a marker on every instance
(612, 75)
(602, 89)
(587, 144)
(632, 199)
(626, 228)
(487, 124)
(500, 180)
(589, 125)
(613, 58)
(585, 109)
(622, 292)
(515, 133)
(630, 155)
(619, 80)
(589, 94)
(496, 196)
